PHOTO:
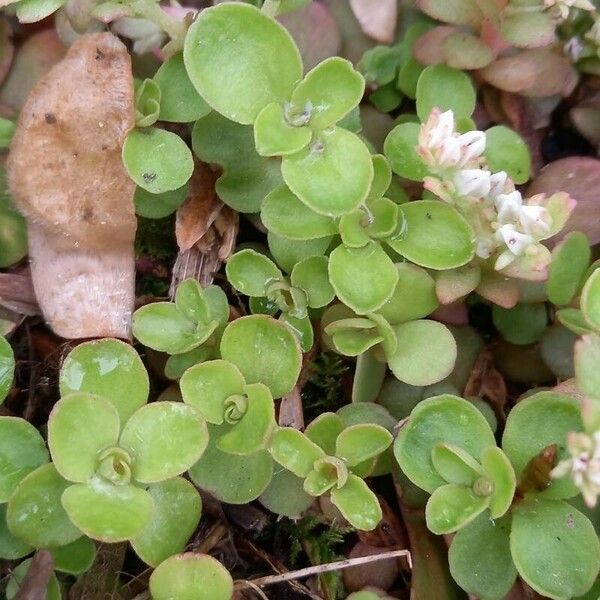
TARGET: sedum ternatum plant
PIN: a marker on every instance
(346, 350)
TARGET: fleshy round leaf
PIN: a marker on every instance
(253, 53)
(178, 364)
(301, 328)
(480, 559)
(288, 252)
(106, 512)
(19, 573)
(206, 387)
(534, 424)
(352, 337)
(452, 507)
(74, 558)
(147, 103)
(7, 368)
(382, 176)
(179, 102)
(363, 278)
(523, 324)
(414, 296)
(573, 319)
(311, 276)
(274, 136)
(435, 236)
(498, 468)
(332, 175)
(22, 450)
(285, 495)
(400, 149)
(324, 431)
(157, 160)
(455, 465)
(357, 503)
(80, 426)
(570, 260)
(264, 350)
(466, 51)
(164, 439)
(13, 235)
(191, 577)
(11, 547)
(528, 29)
(108, 368)
(231, 478)
(590, 300)
(294, 451)
(426, 352)
(359, 443)
(247, 177)
(284, 214)
(189, 301)
(368, 378)
(250, 272)
(328, 92)
(506, 151)
(587, 357)
(552, 537)
(456, 12)
(443, 87)
(253, 431)
(177, 508)
(439, 420)
(158, 206)
(35, 513)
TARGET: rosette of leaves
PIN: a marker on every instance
(308, 286)
(189, 329)
(327, 167)
(332, 458)
(447, 448)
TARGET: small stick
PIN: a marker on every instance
(318, 569)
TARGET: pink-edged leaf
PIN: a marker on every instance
(377, 18)
(428, 48)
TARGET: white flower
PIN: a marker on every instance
(535, 220)
(472, 146)
(498, 183)
(583, 466)
(515, 241)
(472, 182)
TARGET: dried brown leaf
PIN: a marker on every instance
(16, 292)
(486, 382)
(35, 584)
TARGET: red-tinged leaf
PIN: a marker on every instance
(428, 49)
(377, 18)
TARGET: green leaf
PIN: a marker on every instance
(480, 559)
(180, 102)
(7, 368)
(231, 478)
(452, 507)
(363, 278)
(328, 92)
(7, 130)
(426, 352)
(284, 214)
(442, 419)
(35, 514)
(108, 368)
(147, 103)
(177, 508)
(587, 359)
(206, 387)
(288, 252)
(400, 148)
(506, 151)
(522, 324)
(359, 443)
(552, 537)
(157, 160)
(534, 424)
(332, 175)
(324, 431)
(294, 451)
(435, 236)
(17, 577)
(302, 329)
(275, 136)
(250, 272)
(327, 473)
(352, 337)
(414, 296)
(178, 364)
(466, 51)
(247, 177)
(22, 450)
(590, 300)
(253, 431)
(570, 260)
(164, 439)
(573, 319)
(357, 503)
(498, 468)
(368, 377)
(455, 465)
(74, 558)
(80, 426)
(253, 53)
(106, 512)
(455, 12)
(158, 206)
(191, 576)
(264, 350)
(11, 547)
(443, 87)
(189, 301)
(311, 276)
(285, 494)
(13, 236)
(528, 29)
(32, 11)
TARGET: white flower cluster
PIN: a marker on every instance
(506, 226)
(583, 466)
(560, 8)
